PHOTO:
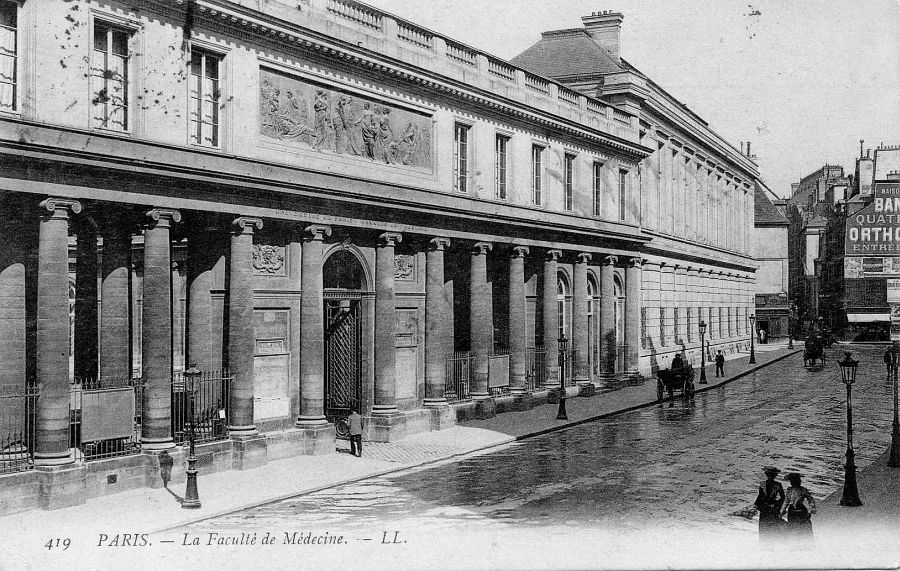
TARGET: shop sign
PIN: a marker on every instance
(893, 292)
(875, 230)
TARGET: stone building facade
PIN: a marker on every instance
(318, 206)
(773, 310)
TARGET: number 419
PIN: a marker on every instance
(56, 542)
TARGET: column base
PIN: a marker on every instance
(61, 486)
(315, 440)
(312, 422)
(384, 426)
(485, 408)
(52, 459)
(522, 401)
(634, 378)
(586, 389)
(151, 444)
(249, 452)
(242, 431)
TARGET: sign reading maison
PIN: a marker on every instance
(875, 230)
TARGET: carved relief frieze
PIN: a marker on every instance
(405, 268)
(311, 116)
(268, 260)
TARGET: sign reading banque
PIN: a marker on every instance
(312, 116)
(875, 230)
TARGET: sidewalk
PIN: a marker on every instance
(153, 510)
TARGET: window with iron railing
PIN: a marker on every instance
(8, 55)
(110, 76)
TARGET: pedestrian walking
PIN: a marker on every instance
(769, 502)
(355, 433)
(799, 506)
(889, 360)
(720, 364)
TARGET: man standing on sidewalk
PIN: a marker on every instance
(720, 364)
(355, 433)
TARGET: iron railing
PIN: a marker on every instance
(17, 427)
(534, 368)
(458, 371)
(211, 406)
(498, 372)
(105, 417)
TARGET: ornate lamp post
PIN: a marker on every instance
(563, 355)
(848, 375)
(752, 335)
(702, 353)
(791, 327)
(894, 459)
(191, 497)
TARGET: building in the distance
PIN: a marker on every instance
(773, 308)
(291, 209)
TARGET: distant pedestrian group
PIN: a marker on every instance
(784, 515)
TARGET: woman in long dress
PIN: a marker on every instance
(769, 502)
(799, 506)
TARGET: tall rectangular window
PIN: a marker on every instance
(598, 188)
(537, 172)
(623, 181)
(8, 55)
(569, 182)
(461, 158)
(110, 77)
(205, 95)
(501, 166)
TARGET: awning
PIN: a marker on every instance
(868, 317)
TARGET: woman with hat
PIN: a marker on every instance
(769, 503)
(799, 507)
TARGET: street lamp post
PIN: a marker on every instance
(702, 353)
(563, 350)
(848, 376)
(894, 458)
(191, 497)
(791, 329)
(752, 335)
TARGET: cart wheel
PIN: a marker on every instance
(342, 428)
(659, 390)
(689, 389)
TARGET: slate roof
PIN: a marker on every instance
(764, 212)
(566, 53)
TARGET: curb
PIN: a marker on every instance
(511, 439)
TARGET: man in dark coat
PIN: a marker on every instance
(769, 502)
(720, 364)
(355, 421)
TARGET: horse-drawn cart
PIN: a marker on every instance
(813, 350)
(671, 380)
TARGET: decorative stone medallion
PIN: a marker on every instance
(268, 260)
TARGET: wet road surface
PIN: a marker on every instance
(678, 465)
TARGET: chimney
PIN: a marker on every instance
(604, 28)
(742, 147)
(748, 149)
(861, 141)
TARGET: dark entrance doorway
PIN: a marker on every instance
(344, 282)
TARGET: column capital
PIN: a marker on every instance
(583, 258)
(440, 244)
(635, 262)
(246, 224)
(519, 252)
(164, 216)
(390, 239)
(610, 260)
(59, 207)
(317, 232)
(482, 248)
(553, 255)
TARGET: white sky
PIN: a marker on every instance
(804, 80)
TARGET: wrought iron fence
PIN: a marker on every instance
(534, 368)
(498, 372)
(17, 422)
(105, 417)
(210, 406)
(458, 371)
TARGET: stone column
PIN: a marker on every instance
(551, 321)
(115, 319)
(241, 336)
(633, 318)
(385, 323)
(52, 343)
(607, 318)
(202, 250)
(481, 321)
(312, 331)
(13, 258)
(582, 373)
(156, 331)
(86, 303)
(436, 324)
(518, 337)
